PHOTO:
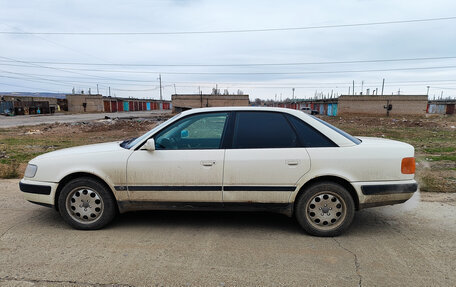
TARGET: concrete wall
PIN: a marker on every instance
(374, 105)
(94, 103)
(183, 102)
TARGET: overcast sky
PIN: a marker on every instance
(47, 62)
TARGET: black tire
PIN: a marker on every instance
(325, 209)
(85, 203)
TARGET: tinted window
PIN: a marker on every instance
(203, 131)
(348, 136)
(263, 130)
(308, 136)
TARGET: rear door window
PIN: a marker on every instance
(263, 130)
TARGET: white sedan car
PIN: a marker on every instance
(231, 158)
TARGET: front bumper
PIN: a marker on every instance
(38, 192)
(381, 193)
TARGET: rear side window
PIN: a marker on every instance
(309, 136)
(263, 130)
(348, 136)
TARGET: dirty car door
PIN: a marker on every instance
(265, 160)
(186, 165)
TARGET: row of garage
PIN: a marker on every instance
(329, 109)
(442, 107)
(118, 105)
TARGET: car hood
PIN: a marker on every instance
(86, 149)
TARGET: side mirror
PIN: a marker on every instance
(149, 145)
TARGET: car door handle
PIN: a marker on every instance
(207, 162)
(292, 162)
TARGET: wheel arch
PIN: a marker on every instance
(75, 175)
(331, 178)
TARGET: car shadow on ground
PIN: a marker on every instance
(366, 222)
(207, 219)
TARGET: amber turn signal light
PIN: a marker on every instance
(408, 165)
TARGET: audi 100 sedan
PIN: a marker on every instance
(231, 158)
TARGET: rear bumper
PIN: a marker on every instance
(373, 194)
(389, 188)
(38, 192)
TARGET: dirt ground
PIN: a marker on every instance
(411, 244)
(433, 137)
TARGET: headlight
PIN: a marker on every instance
(30, 171)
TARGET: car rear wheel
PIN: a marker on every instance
(325, 209)
(85, 203)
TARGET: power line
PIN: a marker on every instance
(57, 44)
(445, 88)
(71, 77)
(234, 31)
(30, 88)
(135, 90)
(252, 73)
(255, 84)
(242, 65)
(64, 70)
(311, 83)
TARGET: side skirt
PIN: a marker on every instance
(284, 208)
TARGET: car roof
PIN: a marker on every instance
(246, 108)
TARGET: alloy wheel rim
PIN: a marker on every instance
(84, 205)
(326, 210)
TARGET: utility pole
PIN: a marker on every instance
(160, 79)
(427, 93)
(383, 85)
(175, 91)
(293, 89)
(98, 91)
(362, 87)
(109, 91)
(353, 89)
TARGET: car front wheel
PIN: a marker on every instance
(325, 209)
(85, 203)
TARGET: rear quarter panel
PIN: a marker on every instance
(374, 160)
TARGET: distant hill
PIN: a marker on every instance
(28, 94)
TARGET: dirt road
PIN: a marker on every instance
(412, 244)
(32, 120)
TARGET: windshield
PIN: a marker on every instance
(348, 136)
(134, 141)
